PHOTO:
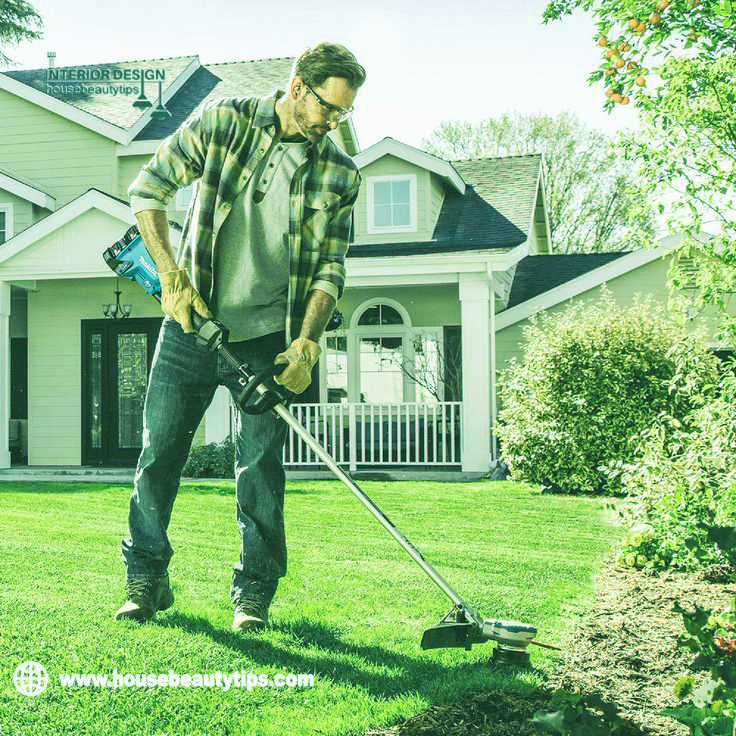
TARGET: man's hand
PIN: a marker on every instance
(179, 297)
(300, 357)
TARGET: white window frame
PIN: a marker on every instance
(353, 332)
(8, 210)
(181, 205)
(412, 226)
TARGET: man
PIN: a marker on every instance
(262, 251)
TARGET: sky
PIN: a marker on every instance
(427, 61)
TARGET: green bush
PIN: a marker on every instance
(591, 378)
(683, 480)
(215, 460)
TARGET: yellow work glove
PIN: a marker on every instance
(179, 297)
(300, 356)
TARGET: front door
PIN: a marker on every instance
(116, 360)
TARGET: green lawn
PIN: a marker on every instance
(350, 611)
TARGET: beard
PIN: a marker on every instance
(313, 133)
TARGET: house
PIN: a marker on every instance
(448, 262)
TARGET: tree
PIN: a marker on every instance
(18, 19)
(676, 60)
(592, 204)
(437, 370)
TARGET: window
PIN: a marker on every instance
(183, 198)
(381, 376)
(336, 366)
(380, 314)
(6, 222)
(392, 204)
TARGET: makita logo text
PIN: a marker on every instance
(148, 266)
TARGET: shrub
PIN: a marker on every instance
(590, 379)
(215, 460)
(684, 481)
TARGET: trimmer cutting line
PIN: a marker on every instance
(462, 626)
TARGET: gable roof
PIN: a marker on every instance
(496, 210)
(213, 81)
(27, 189)
(602, 270)
(389, 146)
(89, 200)
(110, 115)
(536, 274)
(115, 109)
(187, 86)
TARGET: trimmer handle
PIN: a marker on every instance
(266, 400)
(213, 336)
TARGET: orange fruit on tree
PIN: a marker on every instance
(662, 4)
(624, 100)
(640, 81)
(609, 92)
(611, 53)
(611, 71)
(655, 18)
(602, 41)
(633, 23)
(616, 97)
(625, 46)
(631, 65)
(618, 62)
(641, 27)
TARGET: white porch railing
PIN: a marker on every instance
(378, 434)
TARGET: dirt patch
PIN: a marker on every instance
(625, 649)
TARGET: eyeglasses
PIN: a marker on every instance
(332, 111)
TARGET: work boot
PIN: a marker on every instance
(250, 614)
(145, 597)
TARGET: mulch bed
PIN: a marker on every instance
(625, 650)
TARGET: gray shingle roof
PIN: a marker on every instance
(537, 274)
(213, 81)
(116, 109)
(494, 212)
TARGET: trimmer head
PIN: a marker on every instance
(457, 629)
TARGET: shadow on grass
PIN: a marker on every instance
(409, 674)
(509, 707)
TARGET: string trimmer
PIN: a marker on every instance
(462, 626)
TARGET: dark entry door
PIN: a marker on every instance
(116, 360)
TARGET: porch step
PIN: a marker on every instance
(51, 473)
(125, 475)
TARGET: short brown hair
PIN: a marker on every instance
(328, 60)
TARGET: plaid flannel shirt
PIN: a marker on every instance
(220, 149)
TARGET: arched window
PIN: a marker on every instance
(380, 314)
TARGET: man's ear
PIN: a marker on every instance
(297, 84)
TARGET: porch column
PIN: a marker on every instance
(4, 374)
(475, 306)
(494, 399)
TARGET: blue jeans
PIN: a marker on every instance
(181, 385)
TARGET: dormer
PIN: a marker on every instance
(412, 202)
(402, 193)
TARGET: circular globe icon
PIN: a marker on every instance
(30, 678)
